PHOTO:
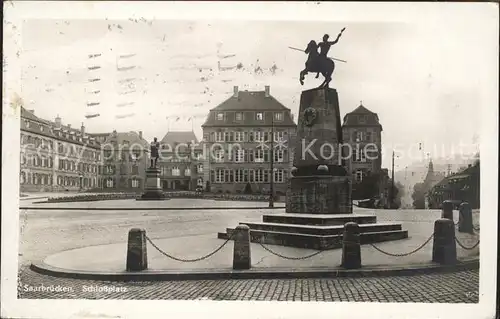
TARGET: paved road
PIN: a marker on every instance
(47, 232)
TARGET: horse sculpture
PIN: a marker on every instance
(317, 64)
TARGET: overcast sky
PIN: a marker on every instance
(425, 80)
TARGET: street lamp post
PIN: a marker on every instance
(391, 202)
(271, 184)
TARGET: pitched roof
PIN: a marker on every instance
(361, 109)
(49, 129)
(131, 137)
(352, 118)
(173, 137)
(250, 100)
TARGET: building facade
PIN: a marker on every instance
(180, 161)
(362, 133)
(125, 159)
(56, 157)
(238, 136)
(461, 186)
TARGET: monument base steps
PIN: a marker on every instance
(320, 232)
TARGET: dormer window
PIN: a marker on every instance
(278, 116)
(41, 128)
(259, 116)
(362, 119)
(27, 123)
(220, 116)
(238, 116)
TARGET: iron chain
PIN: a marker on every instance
(291, 258)
(404, 254)
(465, 247)
(189, 260)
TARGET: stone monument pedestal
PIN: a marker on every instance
(318, 202)
(319, 195)
(152, 189)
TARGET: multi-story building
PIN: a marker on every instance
(56, 157)
(362, 132)
(237, 140)
(180, 161)
(125, 159)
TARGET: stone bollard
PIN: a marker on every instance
(241, 255)
(465, 219)
(447, 210)
(444, 249)
(137, 256)
(351, 250)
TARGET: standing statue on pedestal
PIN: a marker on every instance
(318, 61)
(155, 145)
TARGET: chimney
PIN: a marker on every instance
(140, 134)
(235, 91)
(58, 121)
(82, 128)
(267, 88)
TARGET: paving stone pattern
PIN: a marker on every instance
(459, 287)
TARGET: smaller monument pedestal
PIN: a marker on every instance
(152, 189)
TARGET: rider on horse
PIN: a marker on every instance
(325, 46)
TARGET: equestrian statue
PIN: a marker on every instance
(318, 62)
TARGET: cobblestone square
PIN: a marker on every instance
(45, 232)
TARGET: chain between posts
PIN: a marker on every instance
(404, 254)
(295, 258)
(189, 260)
(465, 247)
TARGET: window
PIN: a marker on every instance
(219, 156)
(27, 123)
(110, 169)
(135, 170)
(219, 136)
(199, 168)
(278, 116)
(259, 155)
(239, 176)
(163, 170)
(279, 175)
(135, 183)
(360, 155)
(279, 136)
(362, 119)
(238, 116)
(259, 136)
(259, 176)
(187, 172)
(219, 176)
(176, 171)
(239, 156)
(238, 136)
(259, 116)
(359, 176)
(368, 136)
(220, 116)
(109, 183)
(279, 155)
(358, 136)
